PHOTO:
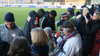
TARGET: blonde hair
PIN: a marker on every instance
(39, 37)
(85, 11)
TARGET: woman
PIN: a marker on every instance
(96, 46)
(19, 47)
(39, 42)
(88, 32)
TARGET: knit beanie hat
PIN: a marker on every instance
(9, 17)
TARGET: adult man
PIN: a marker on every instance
(70, 44)
(32, 22)
(49, 20)
(40, 13)
(70, 12)
(74, 7)
(64, 18)
(10, 30)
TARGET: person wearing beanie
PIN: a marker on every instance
(9, 17)
(49, 20)
(65, 17)
(70, 44)
(9, 30)
(31, 22)
(70, 11)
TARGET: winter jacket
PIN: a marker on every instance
(48, 22)
(4, 47)
(60, 22)
(30, 24)
(8, 35)
(88, 33)
(40, 50)
(96, 46)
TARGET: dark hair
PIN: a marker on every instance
(53, 12)
(73, 6)
(82, 6)
(19, 47)
(92, 5)
(32, 13)
(41, 11)
(78, 13)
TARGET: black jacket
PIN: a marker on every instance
(88, 33)
(40, 50)
(4, 47)
(29, 25)
(48, 22)
(60, 22)
(92, 9)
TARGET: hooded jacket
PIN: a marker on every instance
(30, 24)
(88, 33)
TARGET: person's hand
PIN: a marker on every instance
(91, 16)
(87, 21)
(55, 45)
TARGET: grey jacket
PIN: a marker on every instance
(9, 34)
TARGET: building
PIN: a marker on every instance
(51, 2)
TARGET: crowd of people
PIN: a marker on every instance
(78, 34)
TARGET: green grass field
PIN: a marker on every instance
(21, 14)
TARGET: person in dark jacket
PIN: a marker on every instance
(92, 9)
(64, 18)
(31, 22)
(10, 30)
(49, 20)
(88, 29)
(74, 7)
(4, 47)
(70, 11)
(39, 42)
(41, 13)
